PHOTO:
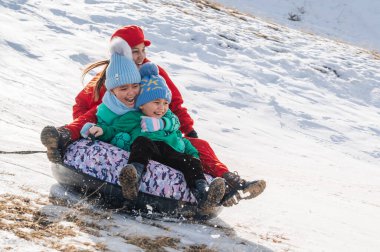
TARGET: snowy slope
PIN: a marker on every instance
(295, 109)
(355, 22)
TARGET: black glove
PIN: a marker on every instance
(192, 134)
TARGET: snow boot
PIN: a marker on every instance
(209, 197)
(238, 188)
(56, 141)
(129, 179)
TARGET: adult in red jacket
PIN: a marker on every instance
(57, 139)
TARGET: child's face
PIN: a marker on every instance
(138, 54)
(156, 108)
(127, 94)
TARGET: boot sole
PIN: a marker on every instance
(128, 182)
(253, 190)
(50, 139)
(215, 194)
(250, 192)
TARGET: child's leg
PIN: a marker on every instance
(238, 188)
(210, 162)
(212, 165)
(208, 196)
(190, 167)
(56, 140)
(142, 150)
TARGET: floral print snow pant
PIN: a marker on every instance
(104, 161)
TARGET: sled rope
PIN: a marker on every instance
(21, 152)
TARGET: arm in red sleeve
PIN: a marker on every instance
(84, 109)
(85, 99)
(176, 104)
(82, 103)
(76, 125)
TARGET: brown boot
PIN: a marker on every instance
(129, 179)
(209, 196)
(238, 188)
(56, 140)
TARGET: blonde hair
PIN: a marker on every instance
(101, 77)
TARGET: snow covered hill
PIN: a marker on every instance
(298, 110)
(355, 22)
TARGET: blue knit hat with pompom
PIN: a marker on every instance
(121, 70)
(152, 85)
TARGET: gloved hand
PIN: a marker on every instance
(122, 140)
(85, 131)
(192, 134)
(151, 124)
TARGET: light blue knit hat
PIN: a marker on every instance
(152, 86)
(121, 71)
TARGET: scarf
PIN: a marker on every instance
(115, 105)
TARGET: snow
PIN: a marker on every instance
(354, 22)
(296, 109)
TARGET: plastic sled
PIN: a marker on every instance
(92, 168)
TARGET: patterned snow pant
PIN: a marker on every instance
(144, 149)
(104, 161)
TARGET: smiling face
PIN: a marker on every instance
(138, 54)
(127, 94)
(156, 108)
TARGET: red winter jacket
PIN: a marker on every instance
(85, 107)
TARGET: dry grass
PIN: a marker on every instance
(22, 217)
(149, 244)
(6, 173)
(199, 248)
(25, 218)
(208, 4)
(158, 244)
(275, 238)
(376, 55)
(203, 4)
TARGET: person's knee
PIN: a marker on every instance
(194, 163)
(142, 140)
(144, 144)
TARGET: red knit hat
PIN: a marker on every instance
(132, 34)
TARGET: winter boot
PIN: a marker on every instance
(56, 140)
(210, 196)
(129, 179)
(238, 188)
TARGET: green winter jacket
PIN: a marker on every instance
(123, 130)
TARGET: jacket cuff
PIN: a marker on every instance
(167, 124)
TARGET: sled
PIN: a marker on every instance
(86, 170)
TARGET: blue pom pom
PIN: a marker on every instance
(149, 69)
